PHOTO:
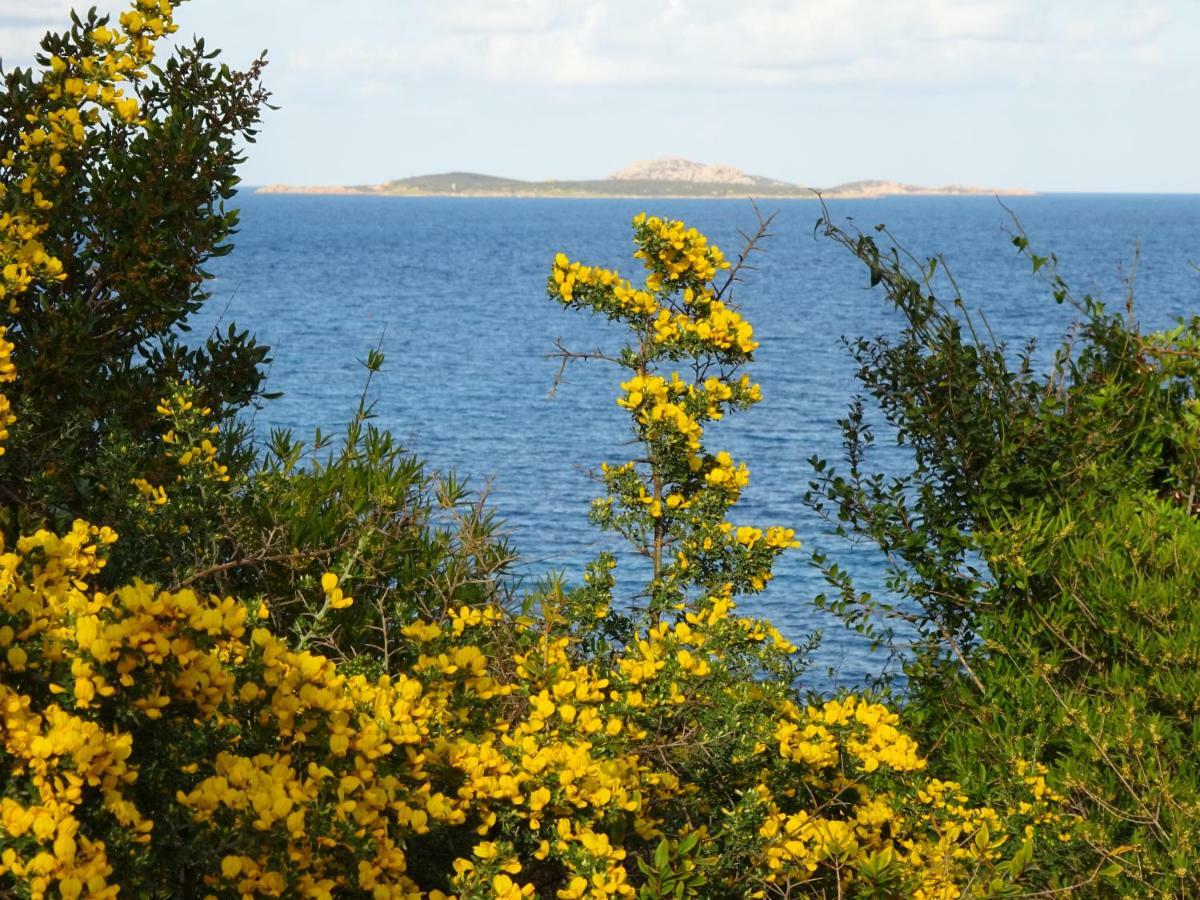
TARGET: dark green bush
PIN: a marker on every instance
(113, 392)
(1042, 550)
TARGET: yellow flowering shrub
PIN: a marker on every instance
(116, 162)
(794, 798)
(160, 740)
(332, 782)
(76, 92)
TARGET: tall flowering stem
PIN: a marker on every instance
(686, 351)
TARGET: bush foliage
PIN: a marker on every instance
(1043, 549)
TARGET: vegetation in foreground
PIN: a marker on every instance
(302, 672)
(1044, 547)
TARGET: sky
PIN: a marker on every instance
(1073, 95)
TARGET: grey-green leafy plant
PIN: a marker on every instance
(1044, 555)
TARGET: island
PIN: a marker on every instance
(665, 178)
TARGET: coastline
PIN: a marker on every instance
(290, 190)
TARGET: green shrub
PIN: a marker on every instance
(1042, 550)
(116, 197)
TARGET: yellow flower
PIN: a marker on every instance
(504, 888)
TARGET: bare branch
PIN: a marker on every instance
(569, 356)
(751, 246)
(259, 559)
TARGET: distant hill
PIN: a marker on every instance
(665, 177)
(672, 168)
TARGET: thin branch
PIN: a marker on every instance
(259, 559)
(750, 246)
(569, 356)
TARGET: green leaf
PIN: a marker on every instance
(662, 855)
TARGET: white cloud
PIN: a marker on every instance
(23, 23)
(515, 16)
(757, 43)
(17, 13)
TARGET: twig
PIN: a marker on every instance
(258, 560)
(750, 246)
(569, 356)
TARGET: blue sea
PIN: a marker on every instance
(453, 290)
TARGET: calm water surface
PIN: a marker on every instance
(455, 289)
